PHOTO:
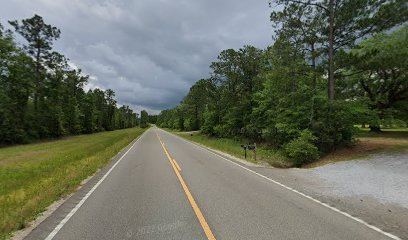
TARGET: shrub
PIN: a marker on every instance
(333, 125)
(301, 149)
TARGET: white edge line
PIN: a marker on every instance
(79, 204)
(295, 191)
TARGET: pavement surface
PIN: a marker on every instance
(163, 187)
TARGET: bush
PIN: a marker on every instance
(301, 149)
(333, 125)
(210, 120)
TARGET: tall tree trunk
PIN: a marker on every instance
(375, 129)
(197, 125)
(314, 83)
(37, 85)
(331, 51)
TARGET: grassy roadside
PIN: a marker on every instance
(34, 176)
(230, 146)
(391, 141)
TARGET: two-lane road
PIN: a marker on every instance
(167, 188)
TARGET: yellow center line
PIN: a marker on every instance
(177, 166)
(190, 197)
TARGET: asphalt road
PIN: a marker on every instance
(144, 194)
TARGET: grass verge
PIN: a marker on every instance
(390, 140)
(34, 176)
(232, 147)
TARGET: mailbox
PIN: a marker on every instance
(249, 147)
(253, 148)
(245, 148)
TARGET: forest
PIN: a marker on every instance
(42, 96)
(334, 65)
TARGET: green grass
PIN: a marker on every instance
(34, 176)
(390, 140)
(232, 147)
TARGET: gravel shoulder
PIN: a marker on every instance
(374, 189)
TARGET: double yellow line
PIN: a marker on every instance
(190, 197)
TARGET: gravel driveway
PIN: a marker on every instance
(374, 189)
(383, 177)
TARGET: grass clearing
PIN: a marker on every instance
(35, 175)
(233, 147)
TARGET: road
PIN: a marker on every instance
(164, 187)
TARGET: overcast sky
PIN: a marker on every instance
(149, 52)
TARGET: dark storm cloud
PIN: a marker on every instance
(149, 52)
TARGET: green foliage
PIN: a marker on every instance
(284, 95)
(153, 119)
(194, 103)
(334, 125)
(377, 76)
(287, 98)
(301, 149)
(144, 119)
(42, 97)
(324, 29)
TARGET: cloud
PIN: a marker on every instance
(148, 51)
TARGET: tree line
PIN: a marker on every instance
(41, 96)
(333, 64)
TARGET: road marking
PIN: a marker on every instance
(197, 211)
(296, 191)
(80, 203)
(177, 166)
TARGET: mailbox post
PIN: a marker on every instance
(253, 148)
(245, 148)
(249, 147)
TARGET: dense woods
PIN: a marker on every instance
(333, 65)
(42, 96)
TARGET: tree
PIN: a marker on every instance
(40, 37)
(153, 119)
(235, 76)
(50, 105)
(72, 96)
(42, 96)
(379, 75)
(144, 119)
(283, 105)
(110, 109)
(16, 70)
(341, 24)
(195, 102)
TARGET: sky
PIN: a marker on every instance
(150, 52)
